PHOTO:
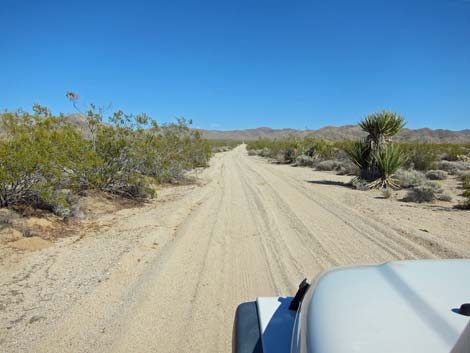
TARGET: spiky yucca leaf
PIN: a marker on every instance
(388, 161)
(385, 123)
(358, 152)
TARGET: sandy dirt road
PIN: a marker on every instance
(167, 277)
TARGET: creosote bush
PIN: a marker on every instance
(44, 157)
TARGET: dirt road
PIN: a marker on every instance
(167, 277)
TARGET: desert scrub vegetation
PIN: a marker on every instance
(465, 204)
(45, 158)
(427, 156)
(306, 152)
(290, 149)
(376, 161)
(427, 192)
(407, 178)
(436, 175)
(376, 156)
(223, 145)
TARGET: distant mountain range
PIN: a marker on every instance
(334, 133)
(346, 132)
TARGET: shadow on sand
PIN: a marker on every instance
(330, 182)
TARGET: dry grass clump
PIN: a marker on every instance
(445, 196)
(466, 186)
(360, 184)
(453, 167)
(328, 165)
(427, 192)
(409, 178)
(436, 175)
(464, 205)
(466, 193)
(463, 174)
(254, 152)
(347, 168)
(304, 161)
(386, 193)
(341, 167)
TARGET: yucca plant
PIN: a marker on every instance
(381, 127)
(359, 152)
(387, 160)
(374, 155)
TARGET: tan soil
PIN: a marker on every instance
(9, 234)
(31, 244)
(168, 276)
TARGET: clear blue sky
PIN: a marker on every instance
(242, 64)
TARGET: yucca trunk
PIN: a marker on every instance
(376, 145)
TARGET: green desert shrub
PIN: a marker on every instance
(316, 148)
(436, 175)
(28, 169)
(424, 156)
(43, 158)
(419, 156)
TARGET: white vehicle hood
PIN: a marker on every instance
(405, 307)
